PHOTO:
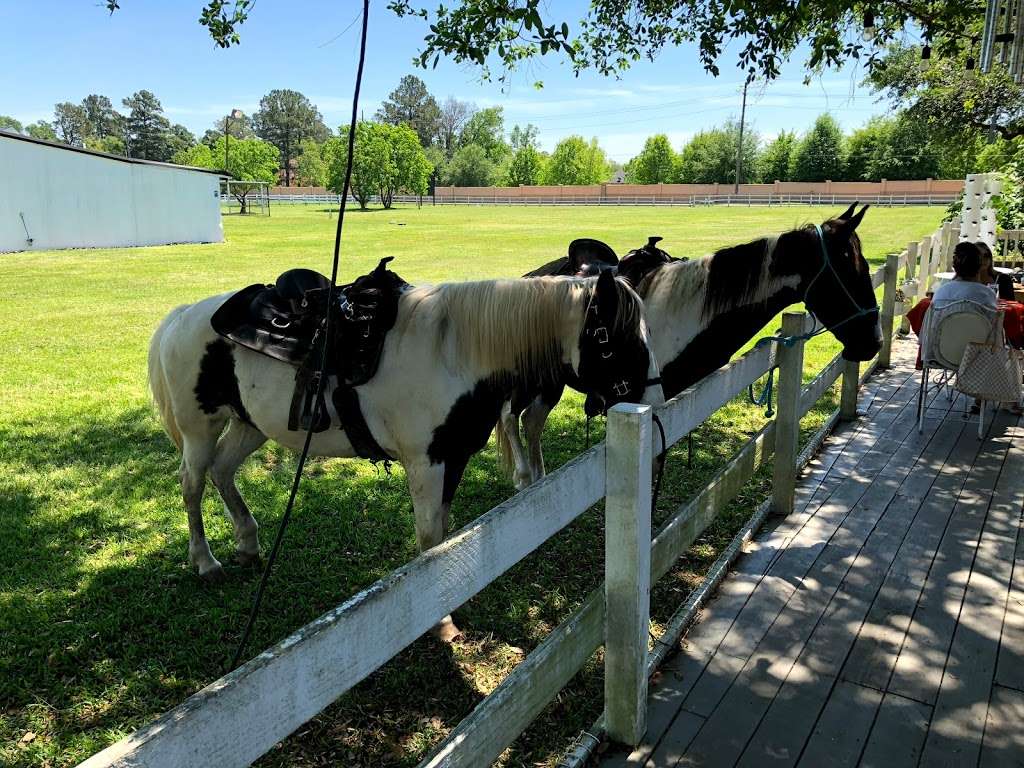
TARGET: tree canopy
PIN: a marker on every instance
(655, 164)
(576, 161)
(819, 155)
(387, 159)
(286, 118)
(411, 103)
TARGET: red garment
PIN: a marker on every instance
(1013, 322)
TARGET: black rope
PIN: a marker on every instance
(321, 379)
(662, 457)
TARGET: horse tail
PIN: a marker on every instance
(158, 380)
(506, 461)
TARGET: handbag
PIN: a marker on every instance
(990, 370)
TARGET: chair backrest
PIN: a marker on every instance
(951, 327)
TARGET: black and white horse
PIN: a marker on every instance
(455, 353)
(703, 311)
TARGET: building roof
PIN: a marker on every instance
(106, 155)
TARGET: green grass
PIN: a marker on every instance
(102, 623)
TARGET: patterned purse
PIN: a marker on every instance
(990, 370)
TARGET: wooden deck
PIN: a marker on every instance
(882, 623)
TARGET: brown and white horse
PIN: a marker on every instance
(701, 312)
(455, 354)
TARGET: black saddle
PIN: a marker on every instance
(288, 321)
(585, 258)
(640, 262)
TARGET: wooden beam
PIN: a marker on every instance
(888, 309)
(787, 422)
(851, 385)
(238, 718)
(627, 567)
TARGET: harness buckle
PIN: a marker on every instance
(601, 334)
(620, 388)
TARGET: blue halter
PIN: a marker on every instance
(826, 264)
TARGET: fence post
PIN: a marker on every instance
(627, 570)
(787, 419)
(892, 265)
(909, 299)
(851, 383)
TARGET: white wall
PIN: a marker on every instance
(76, 200)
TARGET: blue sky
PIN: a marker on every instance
(62, 50)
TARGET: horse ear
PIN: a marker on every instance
(849, 211)
(855, 221)
(607, 297)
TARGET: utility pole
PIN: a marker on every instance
(739, 145)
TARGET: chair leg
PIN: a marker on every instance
(981, 420)
(921, 398)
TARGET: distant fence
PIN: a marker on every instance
(885, 193)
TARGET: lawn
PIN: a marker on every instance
(102, 623)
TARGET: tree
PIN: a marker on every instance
(411, 103)
(112, 145)
(954, 102)
(773, 162)
(248, 160)
(470, 167)
(819, 155)
(198, 156)
(861, 146)
(451, 120)
(41, 130)
(10, 124)
(903, 151)
(526, 168)
(575, 161)
(103, 120)
(311, 169)
(178, 138)
(655, 164)
(285, 119)
(386, 159)
(71, 123)
(146, 128)
(486, 129)
(710, 156)
(523, 137)
(238, 127)
(614, 34)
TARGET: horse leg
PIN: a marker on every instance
(522, 475)
(426, 486)
(534, 418)
(234, 447)
(196, 457)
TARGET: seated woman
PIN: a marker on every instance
(1005, 282)
(973, 273)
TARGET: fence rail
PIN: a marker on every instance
(887, 200)
(241, 716)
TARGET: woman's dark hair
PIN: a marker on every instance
(966, 260)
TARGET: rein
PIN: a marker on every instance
(320, 377)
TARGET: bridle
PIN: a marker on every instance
(602, 343)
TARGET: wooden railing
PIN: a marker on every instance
(241, 716)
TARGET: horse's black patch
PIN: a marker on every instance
(735, 273)
(712, 348)
(217, 385)
(466, 429)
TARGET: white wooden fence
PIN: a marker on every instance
(239, 717)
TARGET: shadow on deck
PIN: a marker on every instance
(882, 623)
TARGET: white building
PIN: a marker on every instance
(56, 196)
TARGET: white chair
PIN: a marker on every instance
(945, 334)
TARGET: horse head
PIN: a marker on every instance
(616, 361)
(835, 281)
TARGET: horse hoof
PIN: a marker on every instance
(446, 631)
(214, 575)
(248, 559)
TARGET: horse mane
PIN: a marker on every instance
(517, 325)
(739, 275)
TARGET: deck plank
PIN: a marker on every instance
(1003, 746)
(898, 734)
(842, 729)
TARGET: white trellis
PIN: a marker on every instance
(978, 219)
